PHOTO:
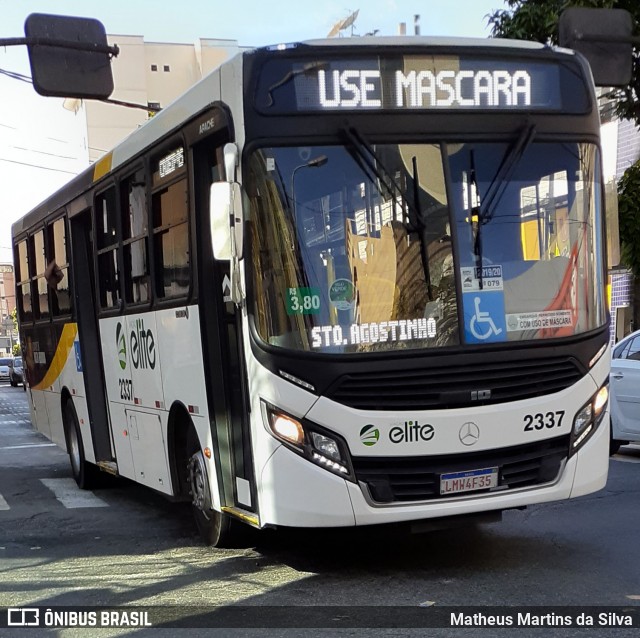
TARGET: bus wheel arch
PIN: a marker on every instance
(189, 466)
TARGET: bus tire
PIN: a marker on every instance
(214, 527)
(86, 475)
(614, 446)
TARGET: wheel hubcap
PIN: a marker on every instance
(198, 484)
(74, 451)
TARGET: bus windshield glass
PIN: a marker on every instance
(361, 248)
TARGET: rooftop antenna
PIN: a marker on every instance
(341, 25)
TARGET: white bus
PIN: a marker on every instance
(337, 283)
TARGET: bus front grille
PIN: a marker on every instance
(417, 478)
(484, 383)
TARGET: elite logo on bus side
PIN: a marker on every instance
(140, 347)
(142, 344)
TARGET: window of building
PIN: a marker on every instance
(166, 68)
(154, 67)
(106, 232)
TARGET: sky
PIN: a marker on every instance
(42, 145)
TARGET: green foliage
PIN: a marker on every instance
(629, 218)
(538, 20)
(17, 350)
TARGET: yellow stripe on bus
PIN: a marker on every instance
(59, 360)
(102, 167)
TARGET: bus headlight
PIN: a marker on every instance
(317, 445)
(287, 429)
(589, 418)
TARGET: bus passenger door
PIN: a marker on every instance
(86, 316)
(222, 342)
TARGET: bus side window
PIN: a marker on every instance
(133, 207)
(57, 271)
(107, 244)
(171, 240)
(170, 220)
(42, 304)
(25, 309)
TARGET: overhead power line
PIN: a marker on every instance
(46, 168)
(145, 107)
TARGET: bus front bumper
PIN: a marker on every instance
(301, 494)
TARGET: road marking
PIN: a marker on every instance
(20, 447)
(3, 504)
(70, 495)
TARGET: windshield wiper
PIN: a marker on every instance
(488, 204)
(367, 159)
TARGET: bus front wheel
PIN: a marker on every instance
(214, 527)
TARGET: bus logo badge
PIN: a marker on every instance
(469, 434)
(369, 435)
(121, 345)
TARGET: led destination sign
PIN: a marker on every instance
(421, 83)
(425, 89)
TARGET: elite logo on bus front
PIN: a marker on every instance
(369, 435)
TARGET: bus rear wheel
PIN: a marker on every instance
(214, 527)
(86, 475)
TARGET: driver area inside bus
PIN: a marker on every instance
(354, 248)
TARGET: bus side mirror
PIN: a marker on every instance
(604, 37)
(225, 206)
(65, 71)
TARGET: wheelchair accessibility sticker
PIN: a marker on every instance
(484, 317)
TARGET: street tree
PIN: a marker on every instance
(538, 20)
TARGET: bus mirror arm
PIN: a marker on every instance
(230, 153)
(226, 224)
(225, 210)
(236, 227)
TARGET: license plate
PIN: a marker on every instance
(469, 481)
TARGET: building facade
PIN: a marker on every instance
(8, 333)
(621, 149)
(149, 74)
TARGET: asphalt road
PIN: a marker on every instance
(126, 545)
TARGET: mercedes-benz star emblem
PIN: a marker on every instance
(469, 433)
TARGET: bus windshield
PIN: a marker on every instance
(368, 250)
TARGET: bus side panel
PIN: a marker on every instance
(119, 389)
(151, 362)
(39, 416)
(46, 354)
(71, 381)
(180, 350)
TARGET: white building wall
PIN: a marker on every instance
(628, 146)
(148, 73)
(609, 139)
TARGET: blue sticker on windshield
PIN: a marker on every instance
(484, 320)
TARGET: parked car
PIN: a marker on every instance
(624, 392)
(15, 372)
(5, 368)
